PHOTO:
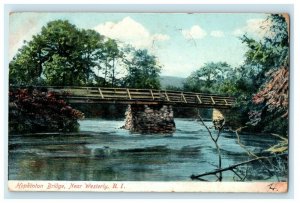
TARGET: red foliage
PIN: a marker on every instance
(275, 92)
(34, 110)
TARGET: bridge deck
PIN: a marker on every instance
(142, 96)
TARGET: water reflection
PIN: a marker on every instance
(110, 153)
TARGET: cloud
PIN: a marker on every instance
(256, 27)
(195, 32)
(130, 32)
(160, 37)
(217, 33)
(238, 32)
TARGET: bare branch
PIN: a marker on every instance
(215, 140)
(232, 166)
(236, 174)
(202, 121)
(251, 154)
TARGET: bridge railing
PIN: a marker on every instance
(129, 94)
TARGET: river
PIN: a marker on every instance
(102, 151)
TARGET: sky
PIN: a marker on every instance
(181, 42)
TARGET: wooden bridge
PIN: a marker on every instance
(142, 96)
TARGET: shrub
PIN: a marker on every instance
(32, 110)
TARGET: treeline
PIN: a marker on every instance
(64, 55)
(260, 84)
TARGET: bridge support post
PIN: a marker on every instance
(150, 119)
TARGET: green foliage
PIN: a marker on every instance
(58, 71)
(260, 84)
(111, 56)
(63, 55)
(143, 71)
(272, 51)
(24, 68)
(266, 81)
(210, 78)
(77, 50)
(173, 88)
(270, 98)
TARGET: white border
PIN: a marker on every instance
(150, 8)
(146, 186)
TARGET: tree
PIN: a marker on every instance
(58, 70)
(275, 92)
(266, 67)
(112, 55)
(208, 78)
(271, 100)
(26, 66)
(91, 53)
(60, 50)
(142, 70)
(63, 55)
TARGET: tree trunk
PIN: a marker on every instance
(113, 73)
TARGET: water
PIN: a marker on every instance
(102, 151)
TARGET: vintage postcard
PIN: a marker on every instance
(148, 102)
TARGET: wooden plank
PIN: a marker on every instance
(132, 89)
(120, 95)
(151, 94)
(198, 98)
(99, 89)
(131, 92)
(117, 97)
(167, 96)
(145, 93)
(106, 96)
(145, 96)
(113, 94)
(225, 101)
(103, 101)
(128, 93)
(212, 99)
(182, 95)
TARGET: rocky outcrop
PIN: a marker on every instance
(150, 119)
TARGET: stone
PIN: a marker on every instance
(150, 119)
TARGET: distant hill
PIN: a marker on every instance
(171, 81)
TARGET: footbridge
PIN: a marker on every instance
(142, 97)
(149, 110)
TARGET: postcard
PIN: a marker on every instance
(148, 102)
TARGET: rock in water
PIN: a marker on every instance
(218, 119)
(150, 119)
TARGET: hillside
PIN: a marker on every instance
(171, 81)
